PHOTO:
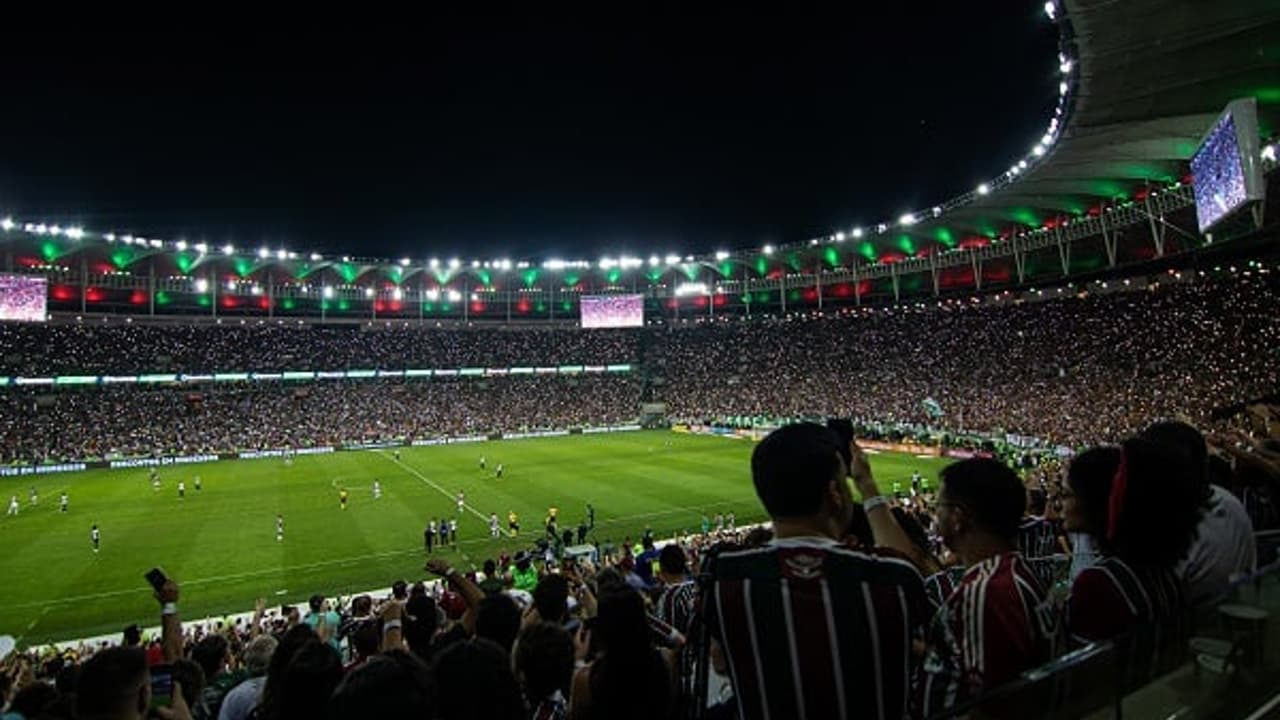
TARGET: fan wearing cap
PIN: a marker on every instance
(524, 576)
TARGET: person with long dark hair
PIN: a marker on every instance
(626, 659)
(1138, 503)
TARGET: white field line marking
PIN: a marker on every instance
(439, 489)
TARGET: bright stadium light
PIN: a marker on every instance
(857, 232)
(109, 237)
(264, 253)
(202, 248)
(767, 249)
(434, 263)
(553, 264)
(454, 296)
(282, 254)
(55, 230)
(475, 263)
(257, 289)
(156, 243)
(1063, 87)
(315, 257)
(327, 292)
(653, 261)
(228, 250)
(907, 219)
(202, 285)
(181, 244)
(454, 263)
(397, 294)
(41, 229)
(840, 237)
(504, 264)
(368, 292)
(231, 285)
(433, 295)
(607, 263)
(75, 233)
(1065, 67)
(7, 224)
(672, 259)
(691, 288)
(1038, 150)
(404, 262)
(722, 255)
(1047, 139)
(983, 189)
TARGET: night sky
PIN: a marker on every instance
(522, 137)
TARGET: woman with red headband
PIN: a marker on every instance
(1137, 502)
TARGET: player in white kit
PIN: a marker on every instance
(462, 500)
(493, 525)
(279, 527)
(95, 537)
(13, 505)
(377, 490)
(62, 502)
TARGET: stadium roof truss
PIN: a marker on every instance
(1140, 82)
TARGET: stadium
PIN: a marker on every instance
(400, 464)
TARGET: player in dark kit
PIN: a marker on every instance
(429, 535)
(444, 532)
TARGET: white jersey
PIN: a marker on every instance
(13, 505)
(377, 489)
(63, 501)
(461, 501)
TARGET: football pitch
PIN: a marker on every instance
(220, 542)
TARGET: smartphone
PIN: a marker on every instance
(157, 578)
(161, 686)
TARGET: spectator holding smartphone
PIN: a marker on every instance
(809, 626)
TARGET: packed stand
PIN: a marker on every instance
(113, 421)
(1074, 371)
(137, 348)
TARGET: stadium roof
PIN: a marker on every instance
(1144, 80)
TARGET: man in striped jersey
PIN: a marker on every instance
(1041, 542)
(809, 627)
(1038, 536)
(998, 621)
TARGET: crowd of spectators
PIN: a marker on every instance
(37, 350)
(1073, 371)
(115, 421)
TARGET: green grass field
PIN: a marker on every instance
(220, 543)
